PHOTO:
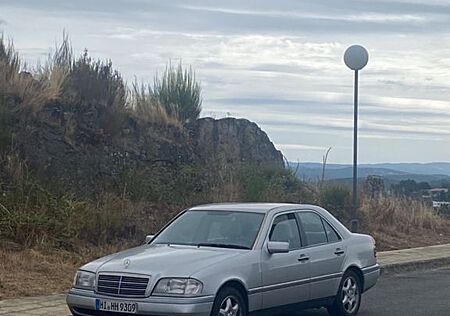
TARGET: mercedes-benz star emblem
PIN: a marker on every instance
(126, 263)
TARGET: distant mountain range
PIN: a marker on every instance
(434, 172)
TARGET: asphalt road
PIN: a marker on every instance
(424, 293)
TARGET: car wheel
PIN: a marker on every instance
(348, 300)
(229, 302)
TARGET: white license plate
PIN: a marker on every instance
(116, 306)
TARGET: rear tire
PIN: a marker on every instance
(348, 299)
(229, 302)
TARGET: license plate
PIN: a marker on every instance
(116, 306)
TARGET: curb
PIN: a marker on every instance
(419, 265)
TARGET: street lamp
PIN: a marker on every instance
(356, 58)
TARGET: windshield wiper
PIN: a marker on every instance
(223, 246)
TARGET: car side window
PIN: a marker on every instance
(331, 233)
(285, 229)
(313, 228)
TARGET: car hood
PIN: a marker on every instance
(162, 260)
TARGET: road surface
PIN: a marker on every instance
(424, 293)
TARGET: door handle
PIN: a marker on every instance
(339, 252)
(303, 258)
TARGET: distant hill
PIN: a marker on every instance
(392, 172)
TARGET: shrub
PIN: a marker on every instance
(179, 93)
(270, 184)
(33, 215)
(82, 83)
(178, 185)
(95, 82)
(18, 85)
(147, 107)
(336, 198)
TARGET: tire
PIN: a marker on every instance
(229, 302)
(348, 299)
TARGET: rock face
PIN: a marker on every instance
(85, 149)
(231, 141)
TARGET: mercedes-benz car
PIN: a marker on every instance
(232, 260)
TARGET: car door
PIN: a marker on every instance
(326, 254)
(285, 276)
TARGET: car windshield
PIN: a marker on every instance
(213, 229)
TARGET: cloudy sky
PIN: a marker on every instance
(278, 63)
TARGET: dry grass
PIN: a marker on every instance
(32, 272)
(395, 224)
(29, 272)
(32, 215)
(84, 81)
(33, 92)
(147, 107)
(402, 223)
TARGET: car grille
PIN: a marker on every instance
(122, 285)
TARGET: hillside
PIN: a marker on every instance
(392, 172)
(79, 151)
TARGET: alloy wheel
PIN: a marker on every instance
(350, 295)
(229, 307)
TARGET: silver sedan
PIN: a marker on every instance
(231, 260)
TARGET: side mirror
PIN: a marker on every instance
(278, 247)
(149, 238)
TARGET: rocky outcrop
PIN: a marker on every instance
(231, 141)
(88, 149)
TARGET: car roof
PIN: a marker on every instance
(245, 207)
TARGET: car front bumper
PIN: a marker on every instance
(82, 303)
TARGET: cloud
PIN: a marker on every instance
(365, 17)
(301, 147)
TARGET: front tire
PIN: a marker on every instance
(348, 300)
(229, 302)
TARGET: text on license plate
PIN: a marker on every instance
(116, 306)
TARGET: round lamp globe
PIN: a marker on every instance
(356, 57)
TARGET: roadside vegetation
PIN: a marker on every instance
(44, 222)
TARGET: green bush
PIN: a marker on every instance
(179, 92)
(336, 199)
(175, 185)
(271, 184)
(33, 216)
(94, 82)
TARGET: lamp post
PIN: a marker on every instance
(356, 58)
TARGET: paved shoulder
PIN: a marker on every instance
(53, 305)
(427, 257)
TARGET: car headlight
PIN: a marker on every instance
(178, 286)
(84, 280)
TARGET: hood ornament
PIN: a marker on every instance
(126, 263)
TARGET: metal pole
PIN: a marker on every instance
(355, 220)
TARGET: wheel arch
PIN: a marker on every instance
(357, 270)
(238, 285)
